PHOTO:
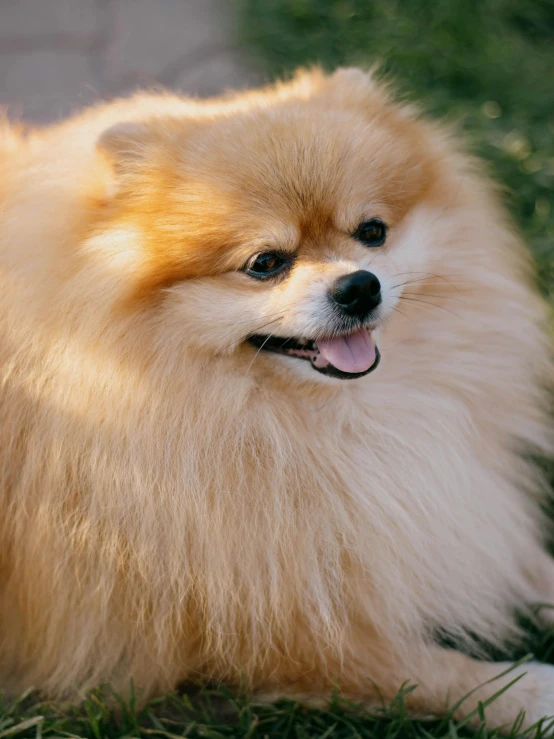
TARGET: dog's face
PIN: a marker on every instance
(283, 227)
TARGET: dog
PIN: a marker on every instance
(274, 375)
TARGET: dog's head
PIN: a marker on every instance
(278, 226)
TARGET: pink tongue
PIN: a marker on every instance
(352, 353)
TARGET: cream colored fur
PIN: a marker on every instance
(173, 506)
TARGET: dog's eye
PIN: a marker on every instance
(371, 233)
(266, 264)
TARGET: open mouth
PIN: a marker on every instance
(345, 357)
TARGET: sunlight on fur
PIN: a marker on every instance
(181, 497)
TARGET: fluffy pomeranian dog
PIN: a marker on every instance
(273, 377)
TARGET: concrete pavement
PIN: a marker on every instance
(58, 55)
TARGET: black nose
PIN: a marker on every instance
(357, 293)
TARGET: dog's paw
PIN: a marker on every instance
(539, 685)
(521, 696)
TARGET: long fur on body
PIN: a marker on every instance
(174, 505)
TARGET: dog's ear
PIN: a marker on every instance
(127, 144)
(351, 87)
(354, 78)
(347, 87)
(303, 84)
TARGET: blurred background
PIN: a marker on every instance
(487, 65)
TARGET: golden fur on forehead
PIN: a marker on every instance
(277, 165)
(174, 504)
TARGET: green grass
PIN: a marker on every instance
(216, 712)
(486, 63)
